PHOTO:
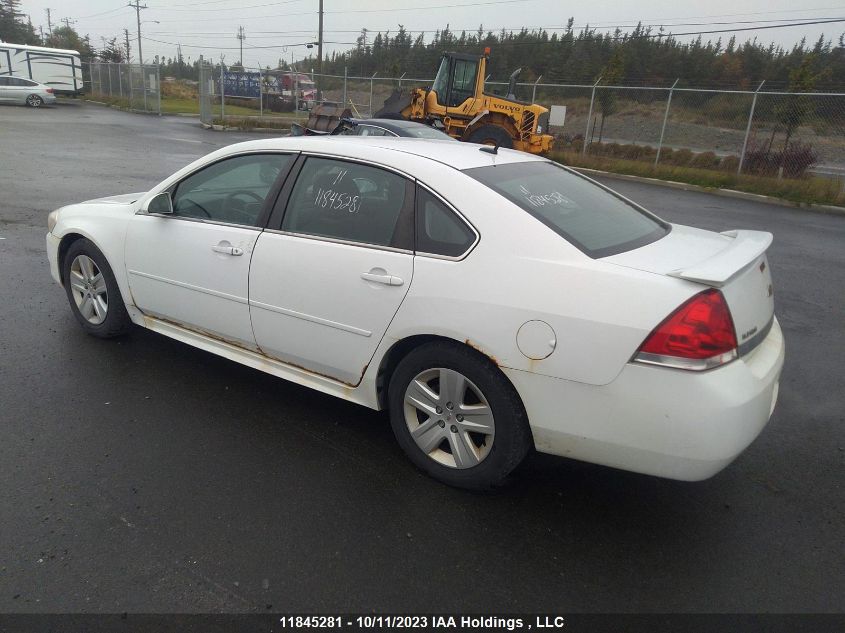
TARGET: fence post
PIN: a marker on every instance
(534, 91)
(400, 82)
(120, 78)
(222, 96)
(110, 91)
(589, 116)
(665, 119)
(144, 85)
(345, 75)
(748, 129)
(260, 94)
(158, 86)
(296, 93)
(371, 93)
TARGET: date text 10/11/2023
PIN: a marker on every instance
(423, 622)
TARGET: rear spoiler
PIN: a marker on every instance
(743, 250)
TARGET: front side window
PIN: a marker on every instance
(231, 191)
(350, 202)
(594, 220)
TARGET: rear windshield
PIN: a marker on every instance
(591, 218)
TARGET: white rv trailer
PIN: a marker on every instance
(57, 68)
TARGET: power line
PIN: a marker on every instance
(240, 8)
(498, 29)
(234, 48)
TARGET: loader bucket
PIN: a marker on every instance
(325, 118)
(394, 105)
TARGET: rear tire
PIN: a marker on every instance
(491, 135)
(92, 291)
(457, 416)
(34, 101)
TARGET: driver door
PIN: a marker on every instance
(192, 267)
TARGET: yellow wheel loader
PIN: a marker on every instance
(457, 101)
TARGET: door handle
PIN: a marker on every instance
(387, 280)
(227, 250)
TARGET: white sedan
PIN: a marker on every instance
(494, 302)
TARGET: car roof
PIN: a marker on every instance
(458, 155)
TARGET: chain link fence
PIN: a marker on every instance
(776, 134)
(766, 133)
(132, 86)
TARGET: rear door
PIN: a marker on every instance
(329, 274)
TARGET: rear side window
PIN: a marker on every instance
(591, 218)
(351, 202)
(439, 230)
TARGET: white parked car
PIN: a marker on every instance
(493, 302)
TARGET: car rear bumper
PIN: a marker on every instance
(53, 257)
(665, 422)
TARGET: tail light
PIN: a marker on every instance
(699, 335)
(50, 90)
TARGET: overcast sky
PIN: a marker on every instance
(279, 29)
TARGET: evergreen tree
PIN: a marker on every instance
(15, 27)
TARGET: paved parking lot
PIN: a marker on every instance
(144, 475)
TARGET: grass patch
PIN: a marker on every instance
(806, 190)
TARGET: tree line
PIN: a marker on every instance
(641, 57)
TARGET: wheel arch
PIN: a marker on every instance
(111, 254)
(401, 348)
(65, 243)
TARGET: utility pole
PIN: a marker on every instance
(138, 6)
(320, 55)
(241, 36)
(49, 24)
(126, 39)
(363, 49)
(67, 22)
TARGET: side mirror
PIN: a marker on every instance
(160, 204)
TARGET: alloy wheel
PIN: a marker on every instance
(449, 418)
(89, 289)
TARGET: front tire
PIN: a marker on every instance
(34, 101)
(457, 417)
(92, 291)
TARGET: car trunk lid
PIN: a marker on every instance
(734, 262)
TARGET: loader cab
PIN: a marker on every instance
(457, 79)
